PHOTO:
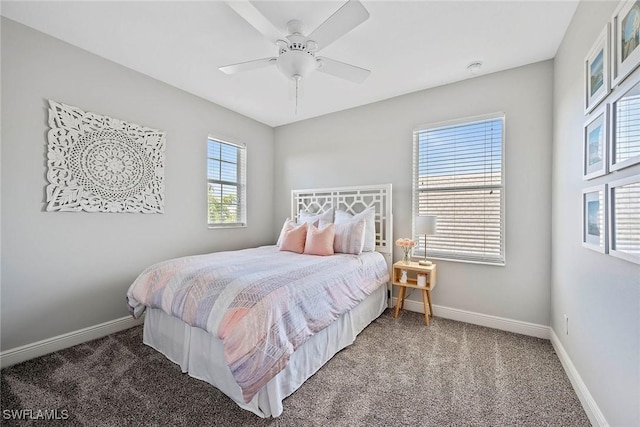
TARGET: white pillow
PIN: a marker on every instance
(349, 237)
(309, 218)
(369, 216)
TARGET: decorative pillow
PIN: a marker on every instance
(369, 216)
(294, 238)
(349, 237)
(308, 217)
(320, 241)
(288, 224)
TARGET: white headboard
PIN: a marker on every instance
(352, 200)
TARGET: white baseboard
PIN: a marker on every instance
(40, 348)
(504, 324)
(588, 403)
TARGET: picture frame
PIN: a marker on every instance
(624, 218)
(595, 144)
(594, 218)
(596, 71)
(624, 125)
(626, 40)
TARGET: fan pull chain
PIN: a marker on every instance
(297, 78)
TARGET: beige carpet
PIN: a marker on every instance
(398, 372)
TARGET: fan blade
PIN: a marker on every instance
(345, 19)
(342, 70)
(253, 16)
(249, 65)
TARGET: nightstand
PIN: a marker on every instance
(413, 269)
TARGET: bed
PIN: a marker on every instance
(227, 348)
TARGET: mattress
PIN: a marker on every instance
(201, 355)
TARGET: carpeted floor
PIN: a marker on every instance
(398, 372)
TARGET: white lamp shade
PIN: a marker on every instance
(426, 225)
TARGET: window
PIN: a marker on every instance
(226, 164)
(624, 217)
(625, 150)
(458, 177)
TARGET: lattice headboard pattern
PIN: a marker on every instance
(352, 200)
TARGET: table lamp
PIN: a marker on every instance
(425, 225)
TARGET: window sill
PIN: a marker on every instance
(222, 226)
(465, 261)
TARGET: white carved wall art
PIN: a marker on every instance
(100, 164)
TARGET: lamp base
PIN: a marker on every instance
(424, 262)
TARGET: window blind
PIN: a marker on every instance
(627, 131)
(226, 185)
(625, 213)
(458, 177)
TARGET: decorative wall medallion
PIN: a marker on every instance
(100, 164)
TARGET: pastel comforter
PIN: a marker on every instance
(262, 303)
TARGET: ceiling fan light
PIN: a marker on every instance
(294, 62)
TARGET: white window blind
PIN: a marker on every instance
(625, 218)
(458, 177)
(627, 131)
(226, 185)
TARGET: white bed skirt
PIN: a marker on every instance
(201, 355)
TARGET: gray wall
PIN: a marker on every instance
(65, 271)
(372, 144)
(599, 293)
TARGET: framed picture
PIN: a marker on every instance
(625, 28)
(594, 222)
(624, 218)
(624, 140)
(594, 146)
(596, 71)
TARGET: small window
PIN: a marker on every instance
(458, 177)
(226, 187)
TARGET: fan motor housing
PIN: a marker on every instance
(300, 43)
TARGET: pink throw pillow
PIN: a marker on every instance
(288, 224)
(293, 239)
(320, 241)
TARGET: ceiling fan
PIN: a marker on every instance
(296, 52)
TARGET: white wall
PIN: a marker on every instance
(599, 293)
(65, 271)
(372, 144)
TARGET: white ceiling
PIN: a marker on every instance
(407, 45)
